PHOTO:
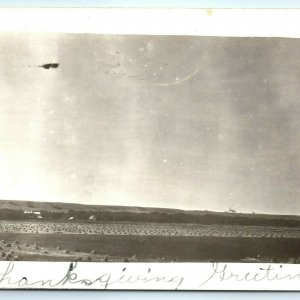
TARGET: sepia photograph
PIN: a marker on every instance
(148, 148)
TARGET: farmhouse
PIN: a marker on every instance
(92, 218)
(34, 214)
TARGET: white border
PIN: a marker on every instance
(196, 22)
(149, 276)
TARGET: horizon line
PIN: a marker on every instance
(167, 208)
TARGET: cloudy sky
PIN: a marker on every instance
(183, 122)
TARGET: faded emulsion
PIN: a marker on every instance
(138, 148)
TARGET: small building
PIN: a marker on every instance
(71, 218)
(33, 214)
(92, 218)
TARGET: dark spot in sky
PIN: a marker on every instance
(49, 66)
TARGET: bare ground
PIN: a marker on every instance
(64, 247)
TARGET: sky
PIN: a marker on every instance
(197, 123)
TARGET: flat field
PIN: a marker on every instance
(148, 229)
(70, 247)
(63, 241)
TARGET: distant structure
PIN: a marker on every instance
(232, 211)
(71, 218)
(36, 214)
(92, 218)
